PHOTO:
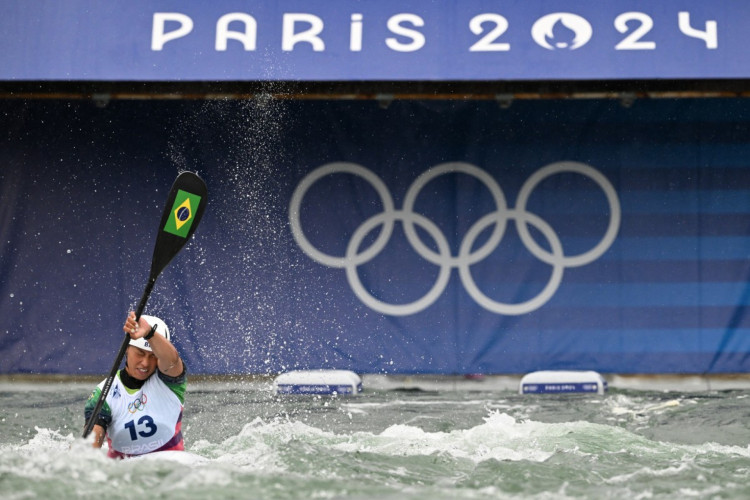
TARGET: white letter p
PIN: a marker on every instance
(159, 37)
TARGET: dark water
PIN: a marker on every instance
(245, 442)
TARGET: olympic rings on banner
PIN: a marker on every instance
(467, 256)
(138, 404)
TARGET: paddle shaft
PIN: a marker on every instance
(116, 365)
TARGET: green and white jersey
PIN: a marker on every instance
(139, 421)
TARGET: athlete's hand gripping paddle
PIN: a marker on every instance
(182, 213)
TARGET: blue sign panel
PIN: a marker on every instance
(388, 40)
(424, 237)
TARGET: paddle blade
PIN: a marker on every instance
(182, 213)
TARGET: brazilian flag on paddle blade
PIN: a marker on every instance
(183, 213)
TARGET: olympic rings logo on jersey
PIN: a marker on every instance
(138, 405)
(467, 255)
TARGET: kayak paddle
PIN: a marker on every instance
(182, 213)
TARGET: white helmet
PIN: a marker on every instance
(161, 329)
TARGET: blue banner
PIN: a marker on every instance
(420, 237)
(388, 40)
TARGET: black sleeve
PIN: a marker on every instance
(103, 420)
(179, 379)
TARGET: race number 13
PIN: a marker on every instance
(146, 427)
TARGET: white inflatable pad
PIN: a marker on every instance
(342, 382)
(549, 381)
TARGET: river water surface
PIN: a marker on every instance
(246, 442)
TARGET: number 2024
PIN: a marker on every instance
(634, 40)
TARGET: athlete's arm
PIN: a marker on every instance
(105, 417)
(99, 433)
(168, 359)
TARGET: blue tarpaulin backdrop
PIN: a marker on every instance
(420, 237)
